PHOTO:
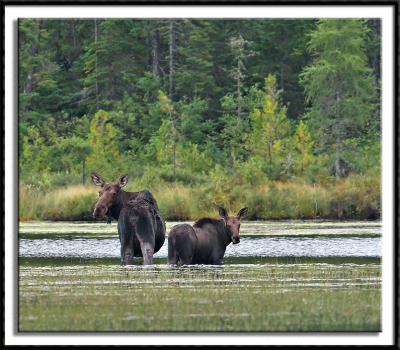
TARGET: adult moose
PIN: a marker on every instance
(141, 227)
(205, 242)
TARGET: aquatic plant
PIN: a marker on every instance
(262, 297)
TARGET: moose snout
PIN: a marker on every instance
(235, 240)
(99, 211)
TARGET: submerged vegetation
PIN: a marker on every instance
(268, 297)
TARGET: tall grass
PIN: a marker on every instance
(62, 204)
(30, 202)
(71, 203)
(289, 201)
(357, 196)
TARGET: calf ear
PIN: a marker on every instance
(242, 213)
(123, 180)
(223, 213)
(97, 180)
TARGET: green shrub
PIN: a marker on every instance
(174, 203)
(359, 197)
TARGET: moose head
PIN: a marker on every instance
(232, 223)
(108, 195)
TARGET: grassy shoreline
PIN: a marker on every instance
(358, 197)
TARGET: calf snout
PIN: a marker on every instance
(235, 240)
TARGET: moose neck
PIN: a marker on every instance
(223, 231)
(119, 202)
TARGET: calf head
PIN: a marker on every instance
(108, 195)
(232, 223)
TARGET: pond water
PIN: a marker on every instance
(258, 239)
(282, 276)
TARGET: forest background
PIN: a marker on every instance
(282, 116)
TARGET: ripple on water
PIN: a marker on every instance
(248, 247)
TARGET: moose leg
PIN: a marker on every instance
(126, 239)
(181, 245)
(147, 251)
(145, 233)
(172, 254)
(126, 254)
(217, 258)
(186, 256)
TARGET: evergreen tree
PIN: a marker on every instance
(339, 86)
(269, 129)
(303, 145)
(213, 110)
(105, 156)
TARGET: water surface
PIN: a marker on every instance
(258, 239)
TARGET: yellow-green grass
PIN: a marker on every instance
(268, 297)
(65, 203)
(358, 197)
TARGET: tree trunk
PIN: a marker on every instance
(338, 153)
(175, 141)
(83, 171)
(73, 33)
(155, 49)
(338, 134)
(376, 59)
(28, 85)
(28, 88)
(269, 158)
(238, 90)
(96, 64)
(172, 53)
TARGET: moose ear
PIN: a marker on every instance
(97, 180)
(223, 213)
(123, 180)
(242, 213)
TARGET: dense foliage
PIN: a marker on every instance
(198, 102)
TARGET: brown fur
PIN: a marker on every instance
(141, 227)
(203, 221)
(205, 242)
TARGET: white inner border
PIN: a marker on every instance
(12, 13)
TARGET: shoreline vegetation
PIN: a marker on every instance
(356, 197)
(202, 113)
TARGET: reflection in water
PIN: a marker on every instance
(257, 246)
